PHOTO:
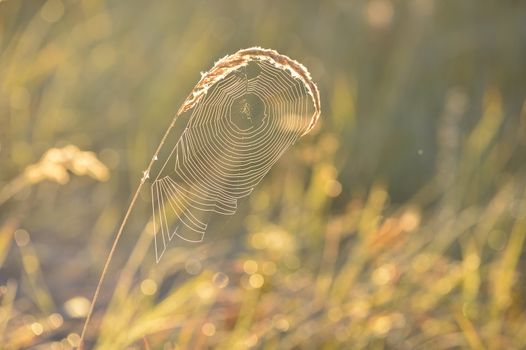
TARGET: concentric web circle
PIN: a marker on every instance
(235, 134)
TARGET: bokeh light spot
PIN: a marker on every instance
(37, 328)
(22, 238)
(256, 281)
(250, 266)
(410, 220)
(208, 329)
(333, 188)
(382, 325)
(73, 339)
(384, 274)
(55, 320)
(148, 287)
(77, 307)
(205, 290)
(220, 280)
(281, 323)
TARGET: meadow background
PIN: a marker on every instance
(398, 223)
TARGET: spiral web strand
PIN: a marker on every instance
(239, 127)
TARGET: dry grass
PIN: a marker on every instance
(399, 223)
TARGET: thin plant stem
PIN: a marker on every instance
(119, 234)
(221, 68)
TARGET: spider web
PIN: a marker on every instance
(239, 127)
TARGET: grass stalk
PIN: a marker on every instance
(102, 277)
